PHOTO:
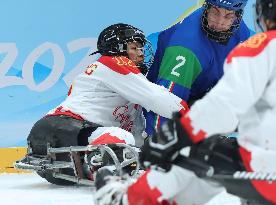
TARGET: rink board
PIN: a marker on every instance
(8, 156)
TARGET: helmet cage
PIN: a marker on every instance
(113, 41)
(258, 14)
(264, 9)
(219, 36)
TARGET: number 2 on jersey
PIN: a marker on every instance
(182, 61)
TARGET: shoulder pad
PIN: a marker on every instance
(119, 64)
(252, 47)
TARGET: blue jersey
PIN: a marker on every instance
(187, 62)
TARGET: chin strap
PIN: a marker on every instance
(143, 68)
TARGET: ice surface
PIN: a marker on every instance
(30, 189)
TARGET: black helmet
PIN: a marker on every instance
(234, 5)
(265, 9)
(113, 40)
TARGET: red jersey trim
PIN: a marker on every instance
(184, 110)
(265, 188)
(121, 64)
(68, 113)
(253, 46)
(107, 139)
(141, 193)
(186, 123)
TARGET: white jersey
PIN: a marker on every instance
(245, 97)
(111, 92)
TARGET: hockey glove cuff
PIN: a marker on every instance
(164, 146)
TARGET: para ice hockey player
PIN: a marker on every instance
(107, 98)
(190, 55)
(244, 97)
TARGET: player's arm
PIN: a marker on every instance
(135, 87)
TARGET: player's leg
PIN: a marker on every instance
(58, 131)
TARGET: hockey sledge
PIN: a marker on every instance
(84, 161)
